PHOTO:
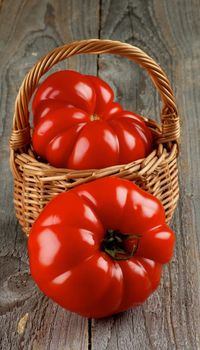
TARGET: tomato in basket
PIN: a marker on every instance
(78, 125)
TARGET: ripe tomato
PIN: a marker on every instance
(77, 124)
(98, 249)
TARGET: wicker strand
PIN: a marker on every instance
(20, 138)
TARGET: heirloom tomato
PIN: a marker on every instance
(98, 249)
(78, 125)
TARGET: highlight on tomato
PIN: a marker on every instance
(78, 125)
(98, 249)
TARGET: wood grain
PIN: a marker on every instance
(169, 31)
(28, 30)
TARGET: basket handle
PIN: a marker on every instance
(169, 116)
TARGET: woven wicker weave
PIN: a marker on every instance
(35, 183)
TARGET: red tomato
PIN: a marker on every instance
(98, 249)
(77, 125)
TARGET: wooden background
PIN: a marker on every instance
(169, 31)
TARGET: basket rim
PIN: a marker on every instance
(27, 161)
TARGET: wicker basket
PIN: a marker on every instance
(35, 183)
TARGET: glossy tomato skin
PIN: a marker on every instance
(68, 262)
(104, 135)
(66, 86)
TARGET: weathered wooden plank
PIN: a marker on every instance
(169, 31)
(28, 30)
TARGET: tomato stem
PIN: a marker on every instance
(94, 117)
(113, 244)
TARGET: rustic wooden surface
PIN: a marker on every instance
(169, 30)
